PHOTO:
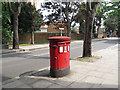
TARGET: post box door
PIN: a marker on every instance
(53, 55)
(63, 55)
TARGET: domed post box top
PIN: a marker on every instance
(60, 38)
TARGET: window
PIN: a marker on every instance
(42, 30)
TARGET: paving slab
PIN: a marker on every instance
(24, 86)
(28, 80)
(14, 84)
(42, 84)
(92, 79)
(80, 85)
(96, 74)
(109, 84)
(55, 86)
(112, 77)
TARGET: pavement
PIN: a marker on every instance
(25, 48)
(102, 73)
(29, 48)
(39, 46)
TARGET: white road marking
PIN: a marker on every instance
(39, 54)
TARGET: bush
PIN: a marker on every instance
(73, 31)
(6, 36)
(95, 35)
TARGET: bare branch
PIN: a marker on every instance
(73, 15)
(89, 6)
(80, 6)
(19, 8)
(63, 16)
(95, 8)
(10, 8)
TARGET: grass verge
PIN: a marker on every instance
(42, 42)
(88, 59)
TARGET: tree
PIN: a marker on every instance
(30, 20)
(111, 23)
(80, 16)
(25, 18)
(37, 22)
(99, 16)
(112, 20)
(73, 30)
(6, 24)
(61, 12)
(91, 9)
(15, 13)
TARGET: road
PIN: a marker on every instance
(17, 63)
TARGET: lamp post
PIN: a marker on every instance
(61, 27)
(61, 30)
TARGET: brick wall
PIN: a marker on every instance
(26, 38)
(44, 36)
(77, 36)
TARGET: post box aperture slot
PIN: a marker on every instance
(61, 43)
(68, 42)
(53, 46)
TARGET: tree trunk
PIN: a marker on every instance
(32, 37)
(15, 24)
(68, 28)
(80, 27)
(87, 48)
(15, 32)
(119, 29)
(68, 20)
(90, 15)
(87, 37)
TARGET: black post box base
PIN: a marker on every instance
(59, 72)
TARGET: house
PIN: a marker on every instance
(77, 29)
(101, 32)
(115, 33)
(52, 28)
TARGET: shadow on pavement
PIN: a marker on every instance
(4, 78)
(43, 76)
(114, 41)
(44, 73)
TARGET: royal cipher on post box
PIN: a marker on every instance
(59, 56)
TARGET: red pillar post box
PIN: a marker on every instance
(59, 56)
